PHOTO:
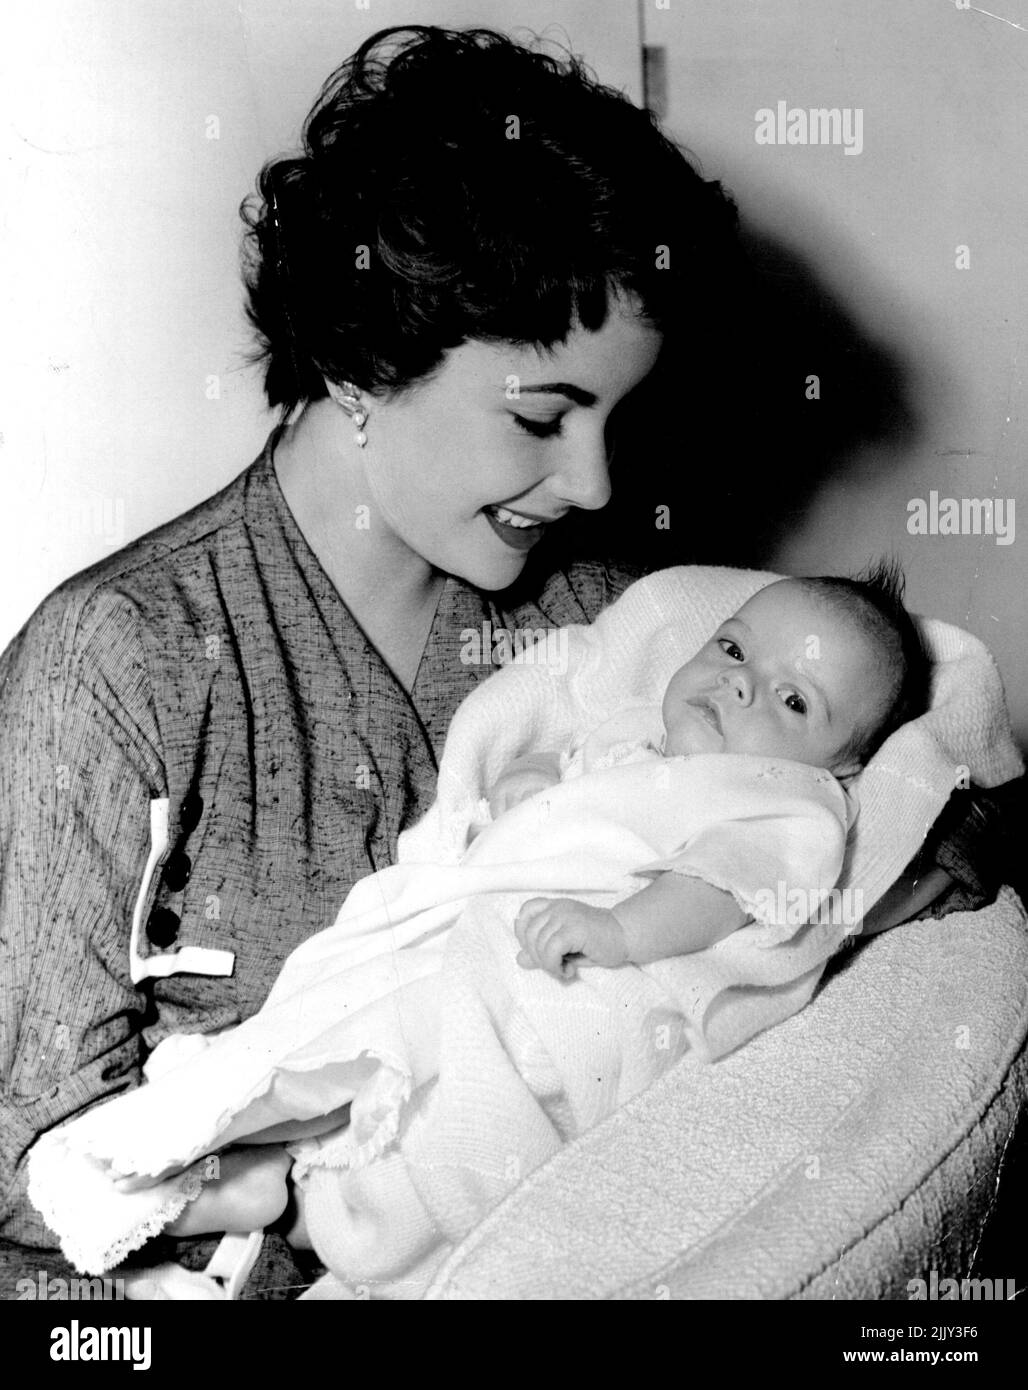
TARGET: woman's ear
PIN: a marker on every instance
(342, 392)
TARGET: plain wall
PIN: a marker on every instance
(945, 130)
(125, 395)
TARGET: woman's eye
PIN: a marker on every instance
(730, 648)
(795, 702)
(541, 429)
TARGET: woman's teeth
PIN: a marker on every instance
(510, 518)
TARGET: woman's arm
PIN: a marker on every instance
(907, 899)
(78, 768)
(971, 851)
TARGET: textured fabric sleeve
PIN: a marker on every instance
(974, 842)
(779, 856)
(582, 591)
(79, 764)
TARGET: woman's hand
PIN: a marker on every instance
(139, 1182)
(515, 787)
(550, 930)
(535, 772)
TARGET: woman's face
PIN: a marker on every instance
(469, 467)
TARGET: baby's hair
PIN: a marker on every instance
(874, 598)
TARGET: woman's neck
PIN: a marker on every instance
(391, 591)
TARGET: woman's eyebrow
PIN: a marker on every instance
(564, 388)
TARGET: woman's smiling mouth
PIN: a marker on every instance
(515, 528)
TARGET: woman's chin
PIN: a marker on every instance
(492, 574)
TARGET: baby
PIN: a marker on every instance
(819, 671)
(810, 671)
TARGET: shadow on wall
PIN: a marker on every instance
(727, 439)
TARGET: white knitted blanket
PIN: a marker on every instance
(395, 998)
(628, 655)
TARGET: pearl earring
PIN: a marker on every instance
(349, 398)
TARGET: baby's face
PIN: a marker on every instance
(786, 677)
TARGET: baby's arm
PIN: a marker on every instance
(675, 914)
(671, 916)
(525, 776)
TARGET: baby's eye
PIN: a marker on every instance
(541, 429)
(794, 702)
(730, 648)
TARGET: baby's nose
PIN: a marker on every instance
(738, 684)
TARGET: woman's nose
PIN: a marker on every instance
(583, 479)
(738, 684)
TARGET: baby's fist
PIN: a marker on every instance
(549, 930)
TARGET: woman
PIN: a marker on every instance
(208, 737)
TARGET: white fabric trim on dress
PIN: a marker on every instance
(190, 960)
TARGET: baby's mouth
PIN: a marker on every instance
(709, 713)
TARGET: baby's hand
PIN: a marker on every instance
(517, 786)
(551, 929)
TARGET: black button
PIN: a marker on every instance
(177, 870)
(190, 812)
(162, 926)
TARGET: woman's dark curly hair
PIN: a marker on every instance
(455, 185)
